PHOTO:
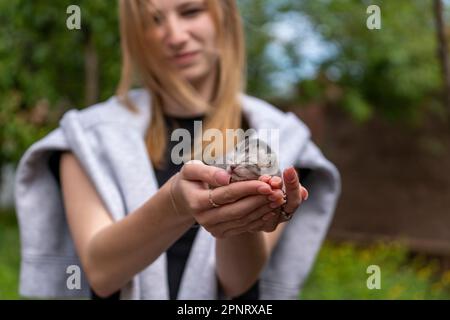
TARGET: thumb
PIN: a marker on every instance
(198, 171)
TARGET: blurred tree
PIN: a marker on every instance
(276, 32)
(255, 16)
(45, 68)
(443, 50)
(392, 71)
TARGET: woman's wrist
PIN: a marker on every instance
(255, 240)
(178, 213)
(240, 260)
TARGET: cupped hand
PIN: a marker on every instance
(295, 195)
(241, 205)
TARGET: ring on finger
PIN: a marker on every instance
(286, 215)
(211, 201)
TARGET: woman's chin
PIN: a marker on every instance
(194, 73)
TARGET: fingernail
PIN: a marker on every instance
(272, 198)
(307, 195)
(274, 184)
(264, 189)
(276, 179)
(291, 175)
(222, 178)
(274, 205)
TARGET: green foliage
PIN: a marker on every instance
(357, 106)
(340, 273)
(42, 70)
(9, 257)
(269, 52)
(311, 90)
(255, 15)
(393, 71)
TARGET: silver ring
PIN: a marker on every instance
(286, 216)
(215, 205)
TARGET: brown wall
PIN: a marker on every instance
(396, 180)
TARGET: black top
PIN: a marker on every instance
(178, 253)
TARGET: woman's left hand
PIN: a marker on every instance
(295, 195)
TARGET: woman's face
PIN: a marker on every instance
(187, 33)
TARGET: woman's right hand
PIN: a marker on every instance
(241, 204)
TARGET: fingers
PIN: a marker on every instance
(264, 218)
(274, 181)
(198, 171)
(293, 191)
(232, 211)
(272, 220)
(234, 192)
(200, 198)
(244, 221)
(277, 183)
(304, 193)
(277, 198)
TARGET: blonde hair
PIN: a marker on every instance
(143, 58)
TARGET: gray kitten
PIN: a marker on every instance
(249, 160)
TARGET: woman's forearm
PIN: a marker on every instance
(240, 260)
(121, 250)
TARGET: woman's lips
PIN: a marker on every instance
(186, 58)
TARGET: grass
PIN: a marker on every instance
(339, 271)
(9, 256)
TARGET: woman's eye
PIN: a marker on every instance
(192, 12)
(157, 19)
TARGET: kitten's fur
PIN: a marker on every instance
(250, 159)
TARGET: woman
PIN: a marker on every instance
(144, 227)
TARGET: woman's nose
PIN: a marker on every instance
(177, 34)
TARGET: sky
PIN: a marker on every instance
(312, 49)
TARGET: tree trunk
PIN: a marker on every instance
(442, 49)
(91, 71)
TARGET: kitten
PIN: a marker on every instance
(249, 160)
